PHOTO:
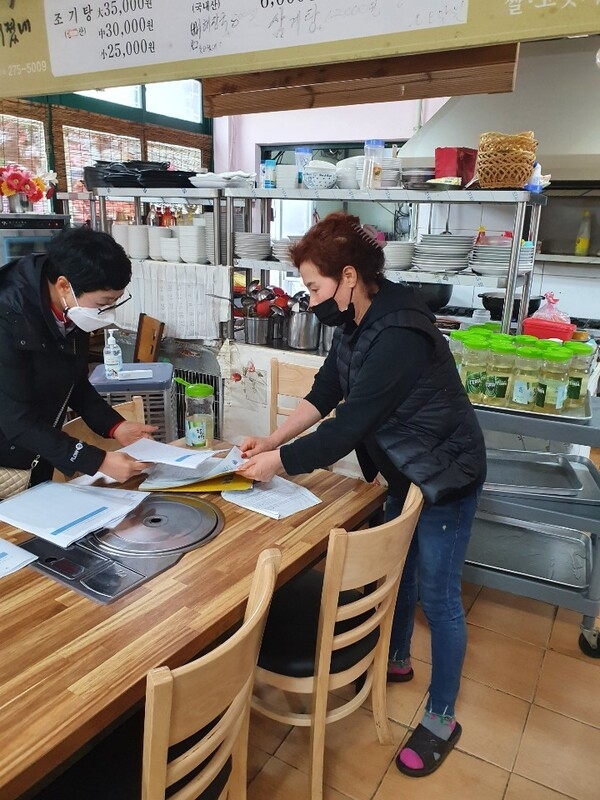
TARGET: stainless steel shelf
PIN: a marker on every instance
(390, 195)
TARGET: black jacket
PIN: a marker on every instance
(405, 411)
(38, 366)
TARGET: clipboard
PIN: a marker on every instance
(231, 482)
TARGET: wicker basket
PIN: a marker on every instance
(505, 161)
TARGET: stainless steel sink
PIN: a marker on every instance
(108, 563)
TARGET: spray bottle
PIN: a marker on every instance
(113, 357)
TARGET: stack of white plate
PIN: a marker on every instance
(192, 243)
(437, 252)
(169, 249)
(138, 241)
(281, 249)
(488, 259)
(155, 236)
(252, 245)
(390, 171)
(398, 255)
(286, 176)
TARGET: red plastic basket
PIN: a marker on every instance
(545, 329)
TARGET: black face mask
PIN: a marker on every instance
(328, 312)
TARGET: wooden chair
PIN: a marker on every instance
(214, 690)
(147, 342)
(288, 380)
(132, 410)
(327, 631)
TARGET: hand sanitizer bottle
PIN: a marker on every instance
(113, 357)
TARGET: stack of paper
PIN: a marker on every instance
(13, 558)
(277, 499)
(167, 476)
(62, 513)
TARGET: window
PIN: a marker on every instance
(22, 141)
(186, 158)
(176, 99)
(122, 95)
(83, 148)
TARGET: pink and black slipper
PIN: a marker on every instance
(431, 749)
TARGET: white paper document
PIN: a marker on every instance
(163, 476)
(159, 453)
(13, 558)
(62, 513)
(278, 498)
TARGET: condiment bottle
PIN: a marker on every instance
(582, 356)
(525, 340)
(525, 378)
(582, 243)
(551, 392)
(373, 164)
(199, 415)
(499, 373)
(473, 366)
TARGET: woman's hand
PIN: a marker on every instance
(129, 432)
(121, 466)
(253, 445)
(261, 467)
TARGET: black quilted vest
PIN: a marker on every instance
(433, 437)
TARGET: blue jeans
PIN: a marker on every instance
(432, 574)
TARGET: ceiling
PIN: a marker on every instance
(479, 70)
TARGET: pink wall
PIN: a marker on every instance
(236, 138)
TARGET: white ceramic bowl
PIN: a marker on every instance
(319, 178)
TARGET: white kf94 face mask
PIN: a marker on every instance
(89, 319)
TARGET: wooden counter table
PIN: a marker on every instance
(71, 666)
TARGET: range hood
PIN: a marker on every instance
(556, 96)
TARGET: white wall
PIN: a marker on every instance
(236, 138)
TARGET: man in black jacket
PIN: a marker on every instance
(408, 417)
(48, 305)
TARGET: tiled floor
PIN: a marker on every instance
(529, 706)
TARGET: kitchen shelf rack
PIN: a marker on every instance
(568, 514)
(519, 199)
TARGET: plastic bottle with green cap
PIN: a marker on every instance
(199, 415)
(525, 340)
(473, 366)
(456, 345)
(551, 392)
(582, 357)
(528, 361)
(501, 363)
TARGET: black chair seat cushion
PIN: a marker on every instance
(290, 639)
(112, 769)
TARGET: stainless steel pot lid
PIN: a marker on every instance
(162, 523)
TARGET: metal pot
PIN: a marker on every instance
(494, 302)
(434, 295)
(303, 330)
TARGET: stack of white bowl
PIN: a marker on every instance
(252, 245)
(169, 249)
(209, 233)
(286, 176)
(192, 243)
(120, 233)
(155, 236)
(281, 249)
(398, 255)
(138, 241)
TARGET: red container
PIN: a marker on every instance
(545, 329)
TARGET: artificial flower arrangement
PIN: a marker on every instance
(14, 179)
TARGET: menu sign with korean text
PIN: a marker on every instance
(51, 46)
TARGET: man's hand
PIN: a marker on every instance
(121, 466)
(129, 432)
(253, 445)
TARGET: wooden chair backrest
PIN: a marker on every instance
(147, 342)
(132, 411)
(288, 380)
(370, 557)
(215, 688)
